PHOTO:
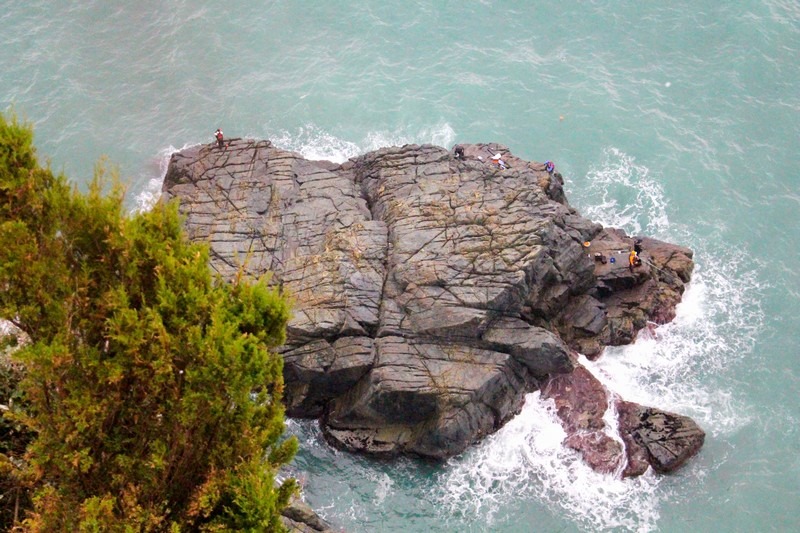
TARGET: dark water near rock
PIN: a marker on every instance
(679, 120)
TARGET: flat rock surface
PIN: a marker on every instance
(430, 292)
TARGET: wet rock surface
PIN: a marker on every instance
(667, 440)
(645, 436)
(431, 292)
(298, 517)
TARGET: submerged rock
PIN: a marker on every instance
(430, 292)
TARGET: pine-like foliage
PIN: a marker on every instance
(150, 385)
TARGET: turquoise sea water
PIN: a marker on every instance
(680, 120)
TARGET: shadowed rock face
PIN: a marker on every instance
(430, 293)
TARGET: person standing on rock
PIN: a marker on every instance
(220, 138)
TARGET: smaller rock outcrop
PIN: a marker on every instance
(667, 439)
(581, 404)
(650, 437)
(297, 517)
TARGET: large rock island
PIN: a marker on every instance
(433, 290)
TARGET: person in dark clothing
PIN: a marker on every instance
(459, 152)
(220, 138)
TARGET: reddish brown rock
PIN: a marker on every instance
(603, 453)
(581, 402)
(651, 437)
(580, 399)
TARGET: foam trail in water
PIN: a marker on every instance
(621, 193)
(526, 461)
(314, 143)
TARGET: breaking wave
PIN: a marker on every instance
(620, 193)
(527, 462)
(314, 143)
(153, 179)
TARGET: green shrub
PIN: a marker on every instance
(151, 385)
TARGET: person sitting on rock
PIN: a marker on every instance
(220, 138)
(633, 260)
(459, 152)
(549, 167)
(496, 159)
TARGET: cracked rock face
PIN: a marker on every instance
(430, 292)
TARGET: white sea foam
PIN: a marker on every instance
(148, 197)
(155, 174)
(316, 144)
(384, 486)
(621, 193)
(526, 461)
